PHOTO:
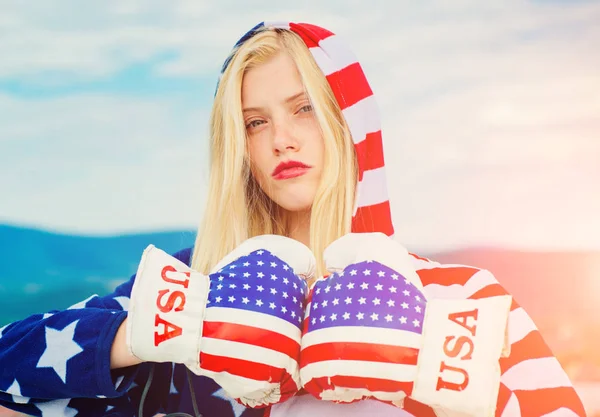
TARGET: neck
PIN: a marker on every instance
(298, 227)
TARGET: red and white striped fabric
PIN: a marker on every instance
(533, 382)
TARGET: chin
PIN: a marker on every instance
(295, 202)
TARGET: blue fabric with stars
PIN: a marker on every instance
(262, 283)
(58, 364)
(367, 294)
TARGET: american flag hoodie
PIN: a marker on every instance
(58, 363)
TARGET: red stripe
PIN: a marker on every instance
(544, 401)
(251, 370)
(349, 85)
(447, 276)
(531, 346)
(503, 397)
(418, 409)
(369, 153)
(317, 385)
(355, 351)
(310, 34)
(493, 290)
(251, 335)
(375, 218)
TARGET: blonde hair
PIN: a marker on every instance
(236, 207)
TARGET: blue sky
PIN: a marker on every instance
(491, 113)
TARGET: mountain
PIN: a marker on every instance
(41, 271)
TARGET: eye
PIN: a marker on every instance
(306, 108)
(254, 123)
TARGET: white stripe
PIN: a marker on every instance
(533, 374)
(373, 188)
(240, 387)
(254, 319)
(563, 412)
(479, 280)
(519, 325)
(333, 55)
(247, 352)
(277, 24)
(362, 118)
(512, 409)
(380, 336)
(363, 369)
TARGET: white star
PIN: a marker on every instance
(406, 292)
(391, 303)
(285, 267)
(364, 286)
(333, 317)
(295, 286)
(336, 301)
(376, 301)
(60, 347)
(245, 300)
(273, 264)
(260, 275)
(388, 317)
(417, 309)
(283, 309)
(272, 306)
(231, 274)
(273, 291)
(395, 277)
(246, 286)
(15, 390)
(341, 274)
(260, 263)
(259, 288)
(367, 272)
(416, 323)
(246, 263)
(314, 320)
(82, 304)
(315, 305)
(348, 300)
(246, 274)
(293, 313)
(327, 288)
(237, 408)
(374, 316)
(417, 298)
(381, 274)
(273, 277)
(56, 408)
(232, 286)
(403, 320)
(259, 303)
(360, 316)
(379, 287)
(286, 281)
(218, 299)
(353, 272)
(346, 316)
(260, 252)
(322, 319)
(220, 286)
(404, 305)
(393, 290)
(231, 298)
(221, 277)
(123, 301)
(232, 266)
(338, 286)
(362, 300)
(324, 303)
(350, 286)
(318, 291)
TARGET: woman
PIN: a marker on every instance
(296, 151)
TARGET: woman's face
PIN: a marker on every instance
(284, 140)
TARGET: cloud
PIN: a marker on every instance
(490, 113)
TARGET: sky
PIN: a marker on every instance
(490, 113)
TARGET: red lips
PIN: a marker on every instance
(289, 169)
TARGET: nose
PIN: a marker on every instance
(284, 138)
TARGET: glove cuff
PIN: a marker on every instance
(166, 314)
(458, 373)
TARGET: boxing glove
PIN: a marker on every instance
(370, 332)
(240, 325)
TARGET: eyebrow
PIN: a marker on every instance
(287, 100)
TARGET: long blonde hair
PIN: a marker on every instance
(236, 207)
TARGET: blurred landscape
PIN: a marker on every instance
(41, 271)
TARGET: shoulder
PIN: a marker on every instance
(184, 255)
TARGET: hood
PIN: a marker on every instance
(354, 95)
